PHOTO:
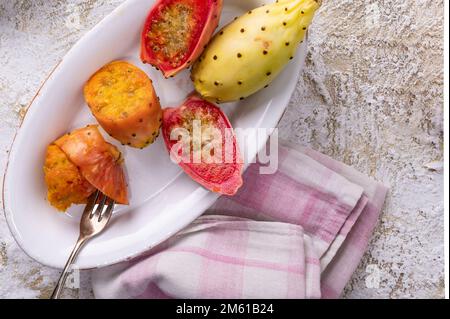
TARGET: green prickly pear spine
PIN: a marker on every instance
(246, 55)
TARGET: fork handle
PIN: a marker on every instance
(62, 279)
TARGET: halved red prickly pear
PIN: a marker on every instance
(176, 32)
(201, 139)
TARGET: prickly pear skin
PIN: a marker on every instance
(251, 51)
(211, 25)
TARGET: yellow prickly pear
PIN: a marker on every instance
(250, 52)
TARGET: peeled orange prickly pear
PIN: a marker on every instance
(122, 99)
(98, 161)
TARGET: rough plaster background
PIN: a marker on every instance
(371, 95)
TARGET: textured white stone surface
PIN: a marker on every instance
(371, 95)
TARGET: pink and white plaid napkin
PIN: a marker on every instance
(298, 233)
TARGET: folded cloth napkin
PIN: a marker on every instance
(298, 233)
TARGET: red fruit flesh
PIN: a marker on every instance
(223, 175)
(176, 32)
(98, 161)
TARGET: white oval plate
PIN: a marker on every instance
(163, 199)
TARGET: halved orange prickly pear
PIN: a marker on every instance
(201, 139)
(176, 32)
(98, 161)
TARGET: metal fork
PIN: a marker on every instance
(95, 217)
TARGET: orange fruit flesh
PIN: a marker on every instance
(65, 184)
(118, 90)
